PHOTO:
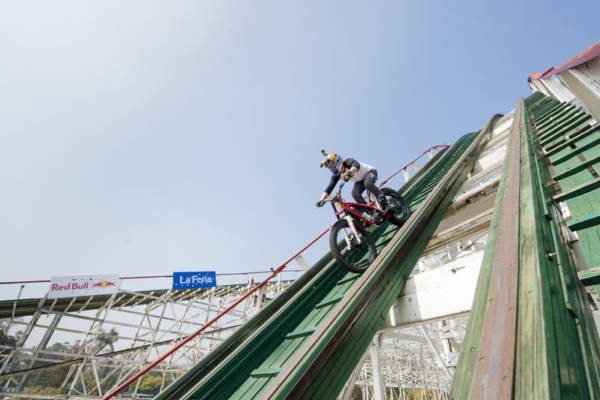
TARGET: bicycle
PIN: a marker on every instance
(349, 240)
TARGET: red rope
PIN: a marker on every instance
(173, 349)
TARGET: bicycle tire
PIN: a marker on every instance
(400, 208)
(364, 253)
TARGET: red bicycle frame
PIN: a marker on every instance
(350, 208)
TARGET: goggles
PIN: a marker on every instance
(330, 161)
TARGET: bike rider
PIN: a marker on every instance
(363, 175)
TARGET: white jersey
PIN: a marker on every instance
(362, 172)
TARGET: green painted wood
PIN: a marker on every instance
(568, 117)
(557, 347)
(573, 348)
(549, 108)
(547, 114)
(571, 140)
(533, 364)
(557, 116)
(465, 370)
(585, 221)
(578, 168)
(590, 277)
(554, 114)
(579, 190)
(304, 332)
(571, 154)
(576, 143)
(560, 136)
(330, 301)
(574, 123)
(350, 278)
(265, 372)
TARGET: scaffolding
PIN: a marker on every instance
(110, 336)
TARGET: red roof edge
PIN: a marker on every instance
(547, 72)
(582, 57)
(534, 76)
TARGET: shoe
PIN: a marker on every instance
(366, 215)
(378, 219)
(385, 206)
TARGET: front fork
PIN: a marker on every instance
(347, 237)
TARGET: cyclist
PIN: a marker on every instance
(363, 175)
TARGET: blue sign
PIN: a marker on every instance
(194, 280)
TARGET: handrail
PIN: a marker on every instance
(436, 147)
(148, 277)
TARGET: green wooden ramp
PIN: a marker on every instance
(307, 342)
(530, 333)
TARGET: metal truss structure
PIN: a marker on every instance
(115, 335)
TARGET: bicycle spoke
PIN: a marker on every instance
(358, 253)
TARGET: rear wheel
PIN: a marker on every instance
(358, 256)
(399, 210)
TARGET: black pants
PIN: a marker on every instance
(367, 183)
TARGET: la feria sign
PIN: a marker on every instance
(84, 285)
(194, 280)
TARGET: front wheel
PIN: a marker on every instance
(350, 253)
(399, 210)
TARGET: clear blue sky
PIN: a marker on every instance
(147, 137)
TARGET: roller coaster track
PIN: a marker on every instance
(307, 342)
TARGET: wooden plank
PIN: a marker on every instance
(557, 355)
(465, 371)
(494, 373)
(578, 168)
(578, 191)
(262, 372)
(587, 220)
(532, 336)
(570, 140)
(577, 151)
(590, 276)
(565, 116)
(568, 128)
(551, 112)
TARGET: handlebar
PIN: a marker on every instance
(337, 196)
